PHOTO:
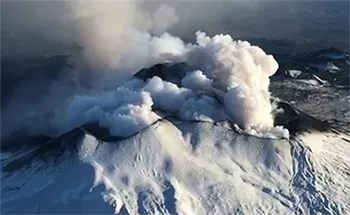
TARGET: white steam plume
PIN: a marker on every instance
(167, 96)
(116, 36)
(124, 111)
(197, 81)
(111, 36)
(242, 71)
(238, 69)
(235, 71)
(109, 31)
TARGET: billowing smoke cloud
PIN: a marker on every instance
(197, 81)
(123, 41)
(104, 30)
(123, 111)
(233, 73)
(243, 71)
(203, 108)
(105, 40)
(167, 96)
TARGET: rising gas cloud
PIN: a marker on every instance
(118, 38)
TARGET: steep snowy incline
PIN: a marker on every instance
(329, 158)
(50, 179)
(179, 167)
(209, 170)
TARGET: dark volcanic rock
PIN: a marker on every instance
(47, 151)
(297, 121)
(330, 64)
(171, 72)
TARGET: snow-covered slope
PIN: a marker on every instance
(177, 167)
(206, 169)
(329, 161)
